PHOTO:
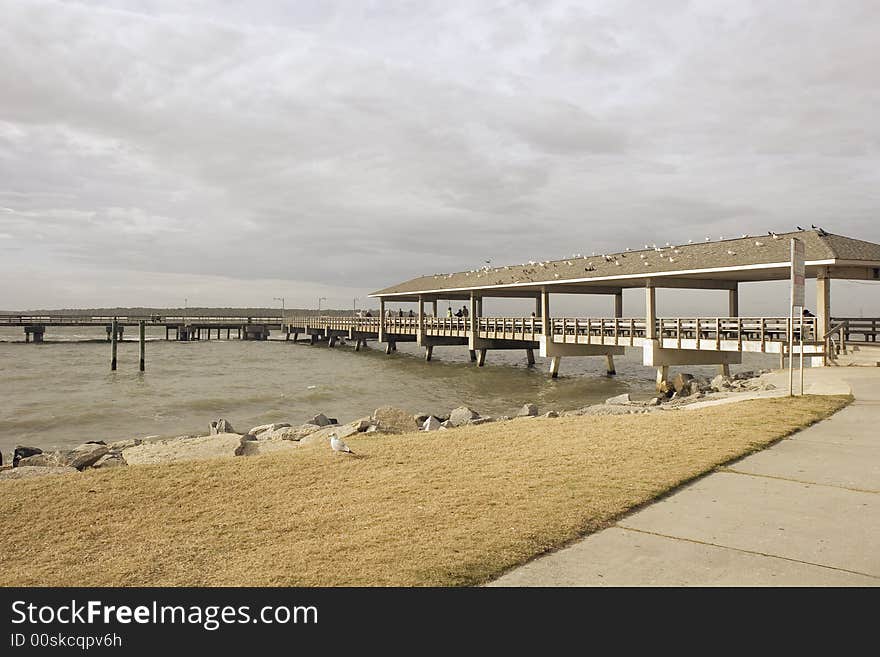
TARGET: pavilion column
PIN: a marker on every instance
(474, 325)
(823, 312)
(381, 319)
(538, 302)
(733, 301)
(474, 314)
(650, 312)
(420, 326)
(618, 304)
(545, 313)
(434, 307)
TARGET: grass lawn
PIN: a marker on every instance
(453, 507)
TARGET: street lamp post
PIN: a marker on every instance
(281, 299)
(355, 305)
(320, 299)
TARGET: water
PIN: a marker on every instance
(62, 393)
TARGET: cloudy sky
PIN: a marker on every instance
(230, 153)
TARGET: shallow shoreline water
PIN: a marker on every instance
(61, 393)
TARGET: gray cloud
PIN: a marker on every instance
(351, 146)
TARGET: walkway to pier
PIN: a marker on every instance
(805, 512)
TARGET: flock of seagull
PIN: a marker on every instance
(534, 266)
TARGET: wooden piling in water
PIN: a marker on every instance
(113, 336)
(142, 338)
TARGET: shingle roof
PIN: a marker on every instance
(732, 253)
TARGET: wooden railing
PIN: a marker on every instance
(616, 330)
(868, 328)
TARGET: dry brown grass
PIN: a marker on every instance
(447, 508)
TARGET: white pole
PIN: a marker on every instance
(791, 354)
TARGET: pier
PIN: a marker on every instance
(723, 266)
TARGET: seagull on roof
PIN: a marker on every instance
(798, 227)
(821, 232)
(338, 445)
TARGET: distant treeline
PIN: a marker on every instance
(189, 312)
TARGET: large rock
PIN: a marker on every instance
(268, 428)
(42, 460)
(187, 448)
(79, 457)
(461, 416)
(720, 383)
(619, 400)
(528, 410)
(30, 471)
(681, 383)
(267, 445)
(119, 445)
(431, 424)
(21, 451)
(221, 426)
(323, 435)
(290, 433)
(110, 460)
(84, 455)
(320, 419)
(394, 420)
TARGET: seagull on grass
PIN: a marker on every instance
(339, 445)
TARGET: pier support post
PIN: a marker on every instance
(473, 354)
(555, 361)
(381, 319)
(429, 351)
(113, 335)
(618, 304)
(37, 331)
(434, 307)
(331, 341)
(142, 340)
(662, 377)
(733, 301)
(782, 357)
(481, 357)
(390, 346)
(609, 364)
(313, 338)
(724, 369)
(530, 357)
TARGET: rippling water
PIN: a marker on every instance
(62, 392)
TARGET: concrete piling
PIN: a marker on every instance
(609, 362)
(555, 362)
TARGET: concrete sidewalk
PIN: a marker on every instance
(805, 512)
